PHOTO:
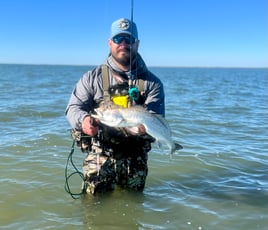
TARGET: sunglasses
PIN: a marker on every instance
(120, 38)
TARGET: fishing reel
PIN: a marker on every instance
(134, 93)
(121, 94)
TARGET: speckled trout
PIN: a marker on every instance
(155, 126)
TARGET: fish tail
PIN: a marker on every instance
(175, 147)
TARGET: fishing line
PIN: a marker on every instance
(132, 21)
(131, 46)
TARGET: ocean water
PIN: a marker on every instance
(218, 181)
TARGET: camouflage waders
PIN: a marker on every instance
(121, 162)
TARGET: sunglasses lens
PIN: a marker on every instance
(119, 39)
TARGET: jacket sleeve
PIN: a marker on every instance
(155, 96)
(82, 99)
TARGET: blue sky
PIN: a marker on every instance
(203, 33)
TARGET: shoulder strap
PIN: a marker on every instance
(105, 82)
(106, 85)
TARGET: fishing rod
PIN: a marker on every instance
(133, 91)
(131, 29)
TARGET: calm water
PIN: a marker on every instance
(218, 181)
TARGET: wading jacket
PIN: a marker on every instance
(88, 91)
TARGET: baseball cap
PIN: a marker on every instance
(123, 26)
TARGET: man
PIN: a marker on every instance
(115, 156)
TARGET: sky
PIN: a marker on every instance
(181, 33)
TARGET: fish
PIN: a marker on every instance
(155, 125)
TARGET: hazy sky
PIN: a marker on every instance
(228, 33)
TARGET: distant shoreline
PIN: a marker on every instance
(93, 65)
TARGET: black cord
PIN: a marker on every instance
(67, 177)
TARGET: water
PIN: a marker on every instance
(218, 181)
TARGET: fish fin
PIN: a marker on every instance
(178, 146)
(159, 145)
(164, 122)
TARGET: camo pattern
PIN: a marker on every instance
(102, 172)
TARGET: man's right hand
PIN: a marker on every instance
(90, 126)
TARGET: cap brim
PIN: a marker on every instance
(125, 32)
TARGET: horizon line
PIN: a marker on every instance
(149, 66)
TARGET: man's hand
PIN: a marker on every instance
(90, 126)
(137, 130)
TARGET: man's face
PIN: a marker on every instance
(120, 46)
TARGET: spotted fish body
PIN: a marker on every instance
(155, 126)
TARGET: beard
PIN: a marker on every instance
(124, 58)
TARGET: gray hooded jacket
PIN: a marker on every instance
(88, 91)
